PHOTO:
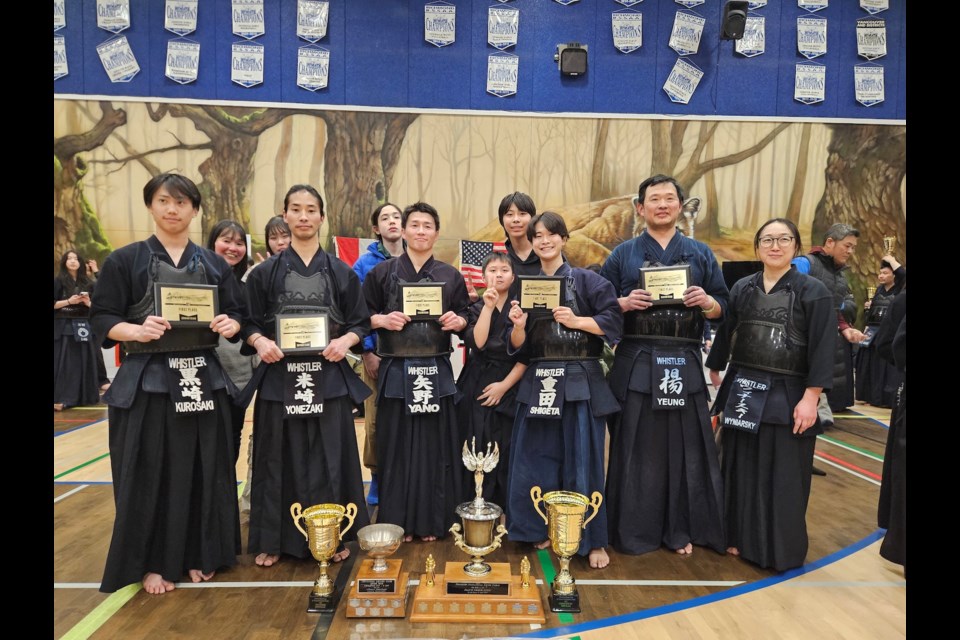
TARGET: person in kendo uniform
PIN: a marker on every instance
(877, 380)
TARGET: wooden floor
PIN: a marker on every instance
(845, 591)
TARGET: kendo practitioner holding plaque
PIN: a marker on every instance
(563, 398)
(418, 453)
(663, 483)
(304, 441)
(171, 445)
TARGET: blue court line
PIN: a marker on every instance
(82, 426)
(80, 482)
(863, 415)
(708, 599)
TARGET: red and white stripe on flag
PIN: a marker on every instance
(471, 259)
(349, 249)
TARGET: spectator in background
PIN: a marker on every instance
(75, 349)
(877, 379)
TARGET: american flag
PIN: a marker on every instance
(471, 259)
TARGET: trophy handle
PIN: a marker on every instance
(295, 511)
(537, 496)
(350, 513)
(595, 500)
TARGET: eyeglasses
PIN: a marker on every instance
(783, 241)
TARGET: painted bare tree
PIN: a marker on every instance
(75, 224)
(866, 165)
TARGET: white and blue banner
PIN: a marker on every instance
(689, 4)
(754, 40)
(246, 64)
(503, 70)
(59, 15)
(753, 5)
(627, 30)
(629, 3)
(113, 15)
(312, 19)
(183, 60)
(565, 2)
(247, 20)
(810, 81)
(868, 84)
(686, 33)
(440, 23)
(59, 57)
(503, 25)
(874, 6)
(118, 59)
(812, 5)
(871, 38)
(811, 37)
(313, 67)
(682, 81)
(180, 16)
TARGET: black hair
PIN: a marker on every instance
(302, 187)
(797, 244)
(659, 179)
(421, 207)
(552, 221)
(234, 228)
(496, 256)
(375, 216)
(523, 202)
(176, 185)
(82, 282)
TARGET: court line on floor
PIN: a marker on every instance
(850, 447)
(81, 466)
(864, 416)
(708, 599)
(70, 493)
(101, 613)
(852, 469)
(77, 428)
(90, 482)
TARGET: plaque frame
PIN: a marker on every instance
(159, 305)
(540, 310)
(311, 350)
(646, 273)
(422, 285)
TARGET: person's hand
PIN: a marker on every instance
(891, 261)
(371, 364)
(853, 335)
(715, 378)
(517, 315)
(85, 298)
(637, 300)
(225, 325)
(395, 320)
(804, 414)
(267, 349)
(92, 266)
(490, 297)
(471, 291)
(696, 297)
(259, 257)
(566, 317)
(866, 305)
(337, 349)
(493, 393)
(151, 329)
(450, 321)
(74, 299)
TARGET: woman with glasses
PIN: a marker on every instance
(779, 362)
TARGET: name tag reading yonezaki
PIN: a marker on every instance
(668, 375)
(188, 380)
(302, 387)
(744, 407)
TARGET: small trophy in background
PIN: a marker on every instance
(889, 245)
(690, 210)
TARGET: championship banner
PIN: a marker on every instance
(183, 60)
(118, 59)
(689, 4)
(180, 16)
(682, 81)
(874, 7)
(629, 3)
(811, 37)
(247, 19)
(627, 30)
(871, 38)
(810, 82)
(754, 40)
(59, 15)
(686, 33)
(440, 23)
(868, 84)
(753, 5)
(246, 64)
(113, 15)
(812, 5)
(313, 67)
(312, 19)
(503, 26)
(59, 57)
(503, 71)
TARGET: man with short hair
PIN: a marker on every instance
(664, 486)
(828, 263)
(515, 211)
(386, 224)
(877, 380)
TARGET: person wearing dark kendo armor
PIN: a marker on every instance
(828, 264)
(171, 446)
(76, 351)
(664, 486)
(876, 379)
(304, 442)
(418, 450)
(563, 399)
(778, 366)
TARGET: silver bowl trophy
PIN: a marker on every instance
(380, 588)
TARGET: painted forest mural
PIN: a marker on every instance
(587, 169)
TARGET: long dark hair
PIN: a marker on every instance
(232, 227)
(83, 281)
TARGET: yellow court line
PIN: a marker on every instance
(103, 612)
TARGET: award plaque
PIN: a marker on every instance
(302, 332)
(422, 300)
(541, 293)
(186, 305)
(665, 284)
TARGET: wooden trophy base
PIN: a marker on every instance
(459, 597)
(378, 595)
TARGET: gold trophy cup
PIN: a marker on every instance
(564, 520)
(889, 245)
(323, 534)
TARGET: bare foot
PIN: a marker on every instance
(58, 406)
(104, 387)
(542, 545)
(599, 558)
(155, 584)
(733, 551)
(408, 538)
(341, 555)
(267, 559)
(196, 575)
(428, 538)
(687, 550)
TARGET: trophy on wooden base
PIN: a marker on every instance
(477, 591)
(564, 520)
(323, 537)
(380, 588)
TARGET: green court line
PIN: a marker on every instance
(847, 445)
(549, 573)
(103, 612)
(240, 488)
(88, 462)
